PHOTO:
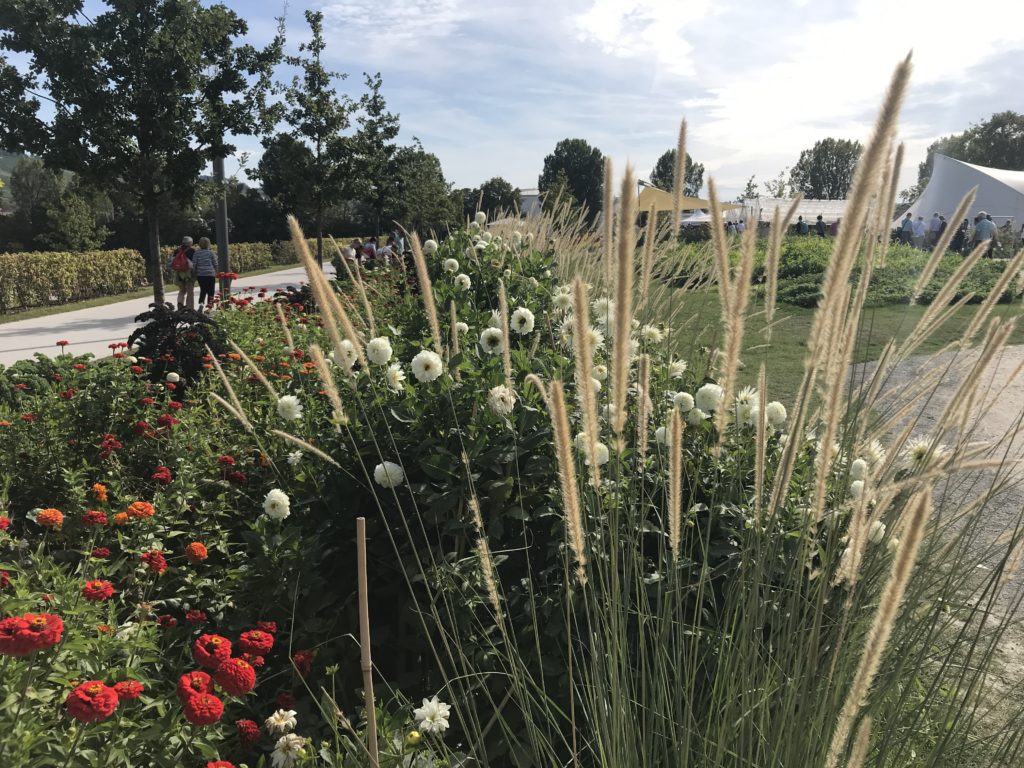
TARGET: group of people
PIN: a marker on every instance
(189, 265)
(925, 236)
(820, 227)
(370, 253)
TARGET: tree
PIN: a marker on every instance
(664, 174)
(73, 223)
(317, 118)
(749, 192)
(496, 195)
(825, 171)
(577, 168)
(126, 89)
(375, 149)
(34, 189)
(283, 170)
(778, 187)
(423, 200)
(997, 142)
(559, 194)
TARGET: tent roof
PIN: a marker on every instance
(1000, 192)
(662, 201)
(763, 209)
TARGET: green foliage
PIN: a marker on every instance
(421, 200)
(825, 171)
(997, 143)
(577, 168)
(663, 174)
(43, 278)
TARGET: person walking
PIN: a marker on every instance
(801, 226)
(934, 229)
(907, 229)
(985, 231)
(919, 230)
(180, 267)
(819, 226)
(204, 264)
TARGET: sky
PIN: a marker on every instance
(490, 88)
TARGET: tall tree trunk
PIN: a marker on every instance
(320, 235)
(221, 225)
(155, 269)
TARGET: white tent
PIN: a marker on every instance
(1000, 193)
(763, 209)
(695, 218)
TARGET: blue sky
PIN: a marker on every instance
(491, 88)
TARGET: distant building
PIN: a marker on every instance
(529, 202)
(763, 209)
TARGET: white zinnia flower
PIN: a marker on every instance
(294, 457)
(427, 366)
(746, 396)
(874, 453)
(281, 721)
(600, 372)
(394, 376)
(461, 327)
(388, 474)
(877, 532)
(433, 715)
(683, 401)
(172, 377)
(495, 321)
(462, 282)
(480, 219)
(676, 369)
(604, 311)
(288, 750)
(858, 469)
(747, 415)
(596, 383)
(522, 321)
(474, 226)
(596, 338)
(920, 453)
(378, 350)
(695, 417)
(430, 247)
(600, 454)
(708, 397)
(348, 354)
(470, 252)
(289, 408)
(276, 505)
(492, 340)
(562, 300)
(451, 265)
(651, 334)
(661, 436)
(501, 400)
(485, 236)
(857, 489)
(580, 441)
(775, 414)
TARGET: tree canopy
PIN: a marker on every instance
(577, 168)
(132, 94)
(492, 196)
(825, 171)
(664, 174)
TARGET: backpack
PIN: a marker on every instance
(180, 261)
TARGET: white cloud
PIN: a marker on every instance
(390, 23)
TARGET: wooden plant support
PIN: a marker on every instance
(364, 642)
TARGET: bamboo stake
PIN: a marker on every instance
(364, 643)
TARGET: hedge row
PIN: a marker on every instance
(36, 279)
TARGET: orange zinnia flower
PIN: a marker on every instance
(141, 509)
(50, 518)
(99, 490)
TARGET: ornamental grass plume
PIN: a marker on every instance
(506, 351)
(675, 483)
(585, 396)
(483, 550)
(608, 222)
(330, 387)
(679, 181)
(426, 291)
(567, 477)
(357, 280)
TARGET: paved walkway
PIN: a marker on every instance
(91, 330)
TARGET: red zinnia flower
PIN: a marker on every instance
(147, 401)
(267, 626)
(226, 461)
(68, 393)
(203, 709)
(100, 553)
(5, 523)
(220, 764)
(92, 702)
(94, 517)
(97, 590)
(5, 579)
(256, 641)
(162, 475)
(140, 428)
(192, 683)
(248, 731)
(79, 366)
(63, 343)
(166, 420)
(196, 552)
(174, 405)
(303, 661)
(210, 650)
(235, 676)
(196, 617)
(155, 560)
(166, 621)
(50, 518)
(128, 690)
(138, 370)
(29, 417)
(254, 659)
(140, 509)
(22, 386)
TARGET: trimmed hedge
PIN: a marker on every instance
(37, 279)
(44, 278)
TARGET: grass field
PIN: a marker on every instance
(783, 356)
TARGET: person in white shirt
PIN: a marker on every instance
(741, 227)
(919, 232)
(934, 229)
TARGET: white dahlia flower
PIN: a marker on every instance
(492, 340)
(427, 366)
(462, 282)
(282, 721)
(289, 408)
(388, 474)
(451, 265)
(708, 397)
(434, 714)
(522, 321)
(378, 350)
(501, 400)
(430, 247)
(775, 414)
(276, 505)
(394, 376)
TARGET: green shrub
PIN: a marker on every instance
(37, 279)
